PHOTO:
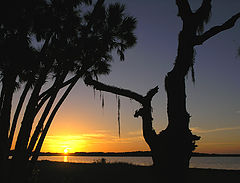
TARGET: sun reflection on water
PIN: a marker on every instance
(65, 159)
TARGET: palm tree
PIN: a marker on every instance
(74, 44)
(15, 60)
(106, 35)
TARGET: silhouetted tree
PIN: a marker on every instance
(73, 43)
(172, 148)
(16, 62)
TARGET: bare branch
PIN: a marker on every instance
(204, 9)
(123, 92)
(184, 9)
(202, 15)
(217, 29)
(145, 112)
(115, 90)
(151, 93)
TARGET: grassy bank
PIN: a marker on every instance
(59, 172)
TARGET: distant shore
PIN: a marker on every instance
(133, 154)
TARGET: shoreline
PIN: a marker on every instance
(228, 163)
(130, 154)
(50, 171)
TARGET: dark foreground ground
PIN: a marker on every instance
(58, 172)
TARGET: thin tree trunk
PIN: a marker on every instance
(30, 114)
(47, 109)
(17, 112)
(19, 159)
(26, 125)
(9, 85)
(2, 97)
(49, 121)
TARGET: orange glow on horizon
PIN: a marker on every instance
(109, 143)
(96, 142)
(63, 144)
(97, 135)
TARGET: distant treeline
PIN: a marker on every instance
(214, 155)
(134, 153)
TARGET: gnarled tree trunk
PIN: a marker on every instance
(172, 148)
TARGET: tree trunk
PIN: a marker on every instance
(17, 112)
(59, 80)
(30, 112)
(19, 159)
(172, 148)
(29, 116)
(9, 85)
(48, 124)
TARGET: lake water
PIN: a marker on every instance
(229, 163)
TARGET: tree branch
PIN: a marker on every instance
(151, 93)
(184, 9)
(205, 8)
(217, 29)
(115, 90)
(48, 91)
(145, 112)
(202, 15)
(123, 92)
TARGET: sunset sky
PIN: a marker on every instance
(213, 101)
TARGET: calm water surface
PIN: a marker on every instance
(230, 163)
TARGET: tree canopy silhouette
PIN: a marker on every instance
(75, 39)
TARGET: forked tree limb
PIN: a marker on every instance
(48, 92)
(184, 9)
(145, 112)
(217, 29)
(202, 15)
(206, 4)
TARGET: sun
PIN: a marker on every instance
(65, 151)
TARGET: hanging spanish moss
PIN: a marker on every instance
(102, 101)
(131, 104)
(192, 66)
(100, 95)
(94, 93)
(119, 105)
